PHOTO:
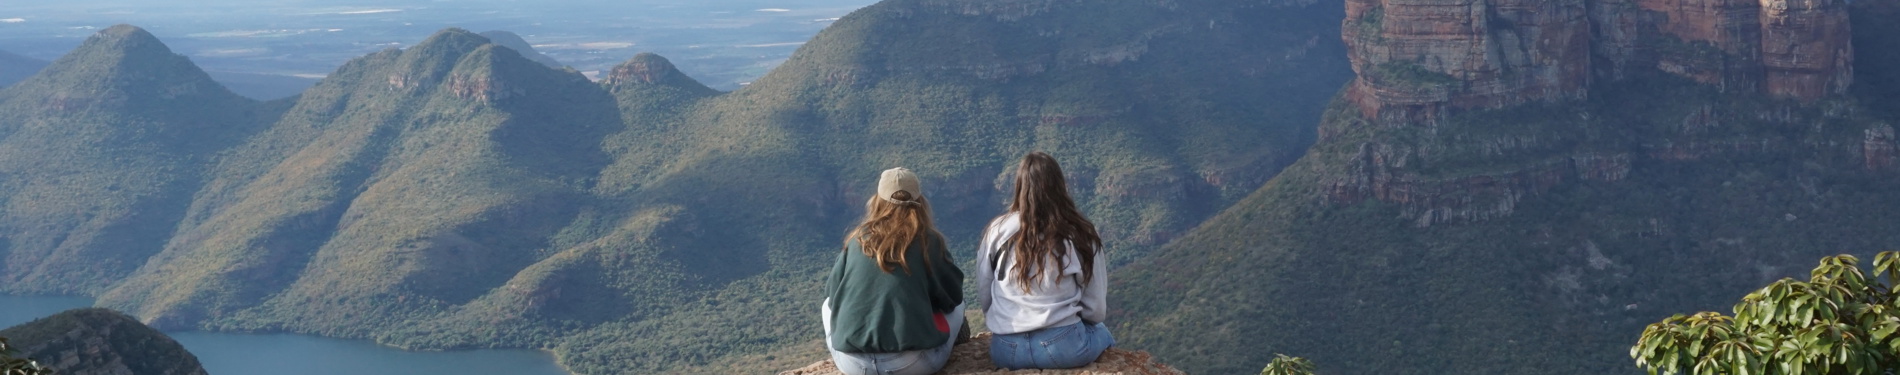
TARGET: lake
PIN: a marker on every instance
(291, 354)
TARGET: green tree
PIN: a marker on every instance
(1284, 365)
(10, 365)
(1838, 322)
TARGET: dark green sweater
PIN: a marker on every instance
(877, 312)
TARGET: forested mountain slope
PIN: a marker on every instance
(1511, 213)
(456, 194)
(101, 154)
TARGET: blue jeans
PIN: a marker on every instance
(913, 362)
(1069, 346)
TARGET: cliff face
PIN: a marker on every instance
(1714, 150)
(1418, 60)
(1806, 47)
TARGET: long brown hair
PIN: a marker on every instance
(1049, 219)
(889, 228)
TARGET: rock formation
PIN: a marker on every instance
(1419, 59)
(1416, 58)
(974, 358)
(1806, 47)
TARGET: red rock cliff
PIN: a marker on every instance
(1806, 47)
(1419, 59)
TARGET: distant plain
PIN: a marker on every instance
(724, 44)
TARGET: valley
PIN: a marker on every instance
(1382, 186)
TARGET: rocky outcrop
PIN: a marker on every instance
(1418, 58)
(974, 358)
(101, 342)
(1421, 59)
(1806, 47)
(1878, 148)
(644, 68)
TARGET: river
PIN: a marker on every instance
(293, 354)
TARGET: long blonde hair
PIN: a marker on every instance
(889, 228)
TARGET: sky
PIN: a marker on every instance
(722, 42)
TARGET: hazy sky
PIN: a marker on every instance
(726, 40)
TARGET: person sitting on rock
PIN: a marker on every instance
(1043, 278)
(896, 296)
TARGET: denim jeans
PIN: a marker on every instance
(1069, 346)
(913, 362)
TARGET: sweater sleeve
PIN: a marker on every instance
(1095, 294)
(836, 280)
(984, 269)
(949, 279)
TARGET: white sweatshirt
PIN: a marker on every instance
(1052, 302)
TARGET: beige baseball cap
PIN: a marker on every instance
(898, 179)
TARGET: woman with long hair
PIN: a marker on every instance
(1043, 278)
(895, 295)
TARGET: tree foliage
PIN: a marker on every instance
(1284, 365)
(1838, 322)
(10, 365)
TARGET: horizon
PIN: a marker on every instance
(723, 44)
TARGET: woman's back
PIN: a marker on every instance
(1059, 298)
(879, 312)
(1043, 280)
(895, 297)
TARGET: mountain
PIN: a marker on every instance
(407, 180)
(1522, 187)
(1501, 186)
(521, 46)
(100, 342)
(1155, 114)
(100, 153)
(14, 68)
(456, 194)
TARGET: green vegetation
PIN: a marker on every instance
(458, 195)
(1284, 365)
(111, 343)
(1838, 322)
(1521, 240)
(11, 365)
(101, 153)
(1411, 74)
(1372, 24)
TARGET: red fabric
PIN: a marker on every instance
(942, 325)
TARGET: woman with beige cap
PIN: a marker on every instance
(895, 295)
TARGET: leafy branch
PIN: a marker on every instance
(1838, 322)
(1284, 365)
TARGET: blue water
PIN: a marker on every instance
(290, 354)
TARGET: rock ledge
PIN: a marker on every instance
(974, 358)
